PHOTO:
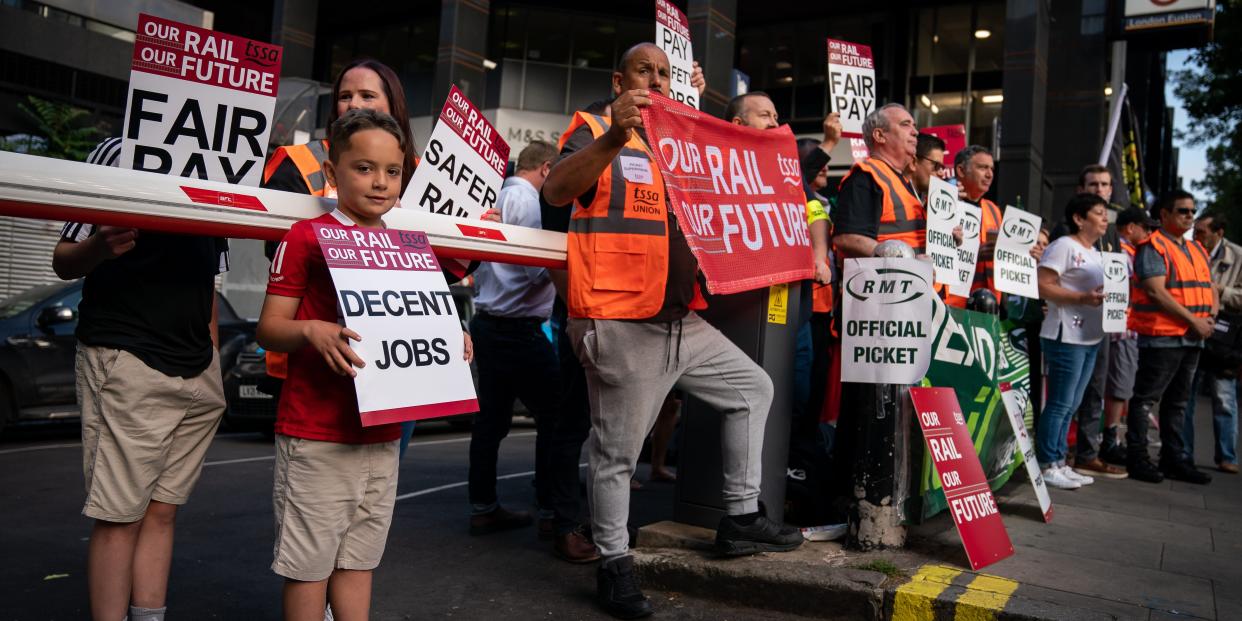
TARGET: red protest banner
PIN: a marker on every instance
(965, 487)
(737, 193)
(168, 48)
(954, 137)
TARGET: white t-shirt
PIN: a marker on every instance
(1081, 269)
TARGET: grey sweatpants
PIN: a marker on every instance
(630, 367)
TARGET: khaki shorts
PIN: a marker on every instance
(144, 434)
(333, 505)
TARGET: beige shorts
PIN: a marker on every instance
(333, 505)
(144, 434)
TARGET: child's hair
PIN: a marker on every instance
(355, 121)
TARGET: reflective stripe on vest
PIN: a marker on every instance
(1188, 278)
(308, 159)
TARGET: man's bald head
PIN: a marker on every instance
(644, 66)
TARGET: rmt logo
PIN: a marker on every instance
(1021, 230)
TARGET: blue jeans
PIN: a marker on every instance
(407, 430)
(1069, 371)
(1224, 394)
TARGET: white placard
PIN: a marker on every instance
(1116, 291)
(463, 165)
(886, 322)
(1014, 269)
(1015, 405)
(851, 84)
(970, 218)
(391, 292)
(942, 218)
(673, 36)
(200, 103)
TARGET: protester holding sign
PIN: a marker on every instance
(975, 169)
(631, 293)
(1071, 281)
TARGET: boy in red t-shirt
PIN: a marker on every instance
(335, 481)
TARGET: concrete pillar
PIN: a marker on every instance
(293, 27)
(1022, 118)
(463, 45)
(713, 32)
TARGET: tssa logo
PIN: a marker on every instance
(413, 239)
(646, 201)
(942, 206)
(1021, 230)
(889, 284)
(970, 225)
(1116, 272)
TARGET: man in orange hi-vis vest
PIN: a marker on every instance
(632, 292)
(1172, 309)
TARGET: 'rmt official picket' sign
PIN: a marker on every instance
(200, 102)
(886, 324)
(942, 218)
(851, 84)
(970, 218)
(1116, 291)
(965, 487)
(673, 36)
(737, 193)
(391, 292)
(1014, 270)
(463, 166)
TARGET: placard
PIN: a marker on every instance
(391, 292)
(851, 84)
(737, 194)
(970, 499)
(673, 36)
(463, 165)
(970, 218)
(887, 310)
(1015, 406)
(1116, 291)
(1014, 268)
(954, 137)
(200, 102)
(942, 218)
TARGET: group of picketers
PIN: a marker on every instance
(628, 343)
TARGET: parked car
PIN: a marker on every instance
(37, 350)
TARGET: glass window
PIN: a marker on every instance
(588, 86)
(594, 43)
(545, 87)
(548, 37)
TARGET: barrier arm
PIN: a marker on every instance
(51, 189)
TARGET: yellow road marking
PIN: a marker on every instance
(915, 598)
(984, 597)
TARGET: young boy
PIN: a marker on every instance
(335, 481)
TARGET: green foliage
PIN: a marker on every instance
(1213, 100)
(883, 566)
(64, 130)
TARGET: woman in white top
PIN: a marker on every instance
(1071, 281)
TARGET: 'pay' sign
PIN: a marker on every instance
(851, 84)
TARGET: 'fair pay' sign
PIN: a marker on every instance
(851, 84)
(391, 292)
(463, 165)
(200, 103)
(673, 36)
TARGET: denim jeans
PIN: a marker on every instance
(1069, 369)
(1224, 394)
(1164, 375)
(1090, 411)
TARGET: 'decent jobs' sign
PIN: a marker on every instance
(886, 323)
(1014, 269)
(673, 36)
(392, 293)
(200, 102)
(851, 84)
(463, 166)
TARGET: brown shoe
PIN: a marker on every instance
(574, 547)
(547, 529)
(1227, 467)
(1097, 468)
(497, 520)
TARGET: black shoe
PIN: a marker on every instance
(762, 535)
(617, 590)
(1115, 455)
(1185, 471)
(1144, 470)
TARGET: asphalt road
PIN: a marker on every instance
(432, 568)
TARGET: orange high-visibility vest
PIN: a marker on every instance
(1188, 278)
(903, 216)
(989, 232)
(618, 244)
(309, 159)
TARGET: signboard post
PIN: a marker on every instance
(970, 218)
(200, 103)
(1015, 405)
(1116, 291)
(673, 36)
(463, 166)
(966, 489)
(886, 323)
(1015, 268)
(392, 293)
(942, 218)
(851, 84)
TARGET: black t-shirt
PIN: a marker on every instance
(682, 266)
(154, 301)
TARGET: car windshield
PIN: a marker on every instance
(22, 302)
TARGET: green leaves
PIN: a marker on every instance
(63, 131)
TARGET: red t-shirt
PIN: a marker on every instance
(316, 403)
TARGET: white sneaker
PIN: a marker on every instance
(1082, 479)
(1054, 477)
